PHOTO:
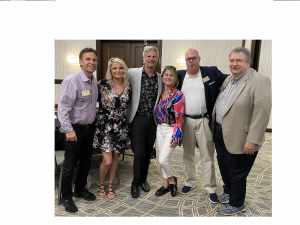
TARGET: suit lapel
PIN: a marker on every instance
(135, 80)
(238, 90)
(224, 85)
(181, 75)
(139, 80)
(159, 82)
(204, 74)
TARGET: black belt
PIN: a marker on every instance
(220, 126)
(196, 117)
(144, 114)
(84, 127)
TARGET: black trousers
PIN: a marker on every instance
(81, 150)
(234, 170)
(143, 134)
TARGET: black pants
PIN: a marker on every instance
(234, 170)
(81, 150)
(143, 134)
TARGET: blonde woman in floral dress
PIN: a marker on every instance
(111, 124)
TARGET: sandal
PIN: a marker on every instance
(110, 191)
(101, 189)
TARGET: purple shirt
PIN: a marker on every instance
(73, 106)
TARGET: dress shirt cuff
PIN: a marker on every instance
(178, 140)
(66, 128)
(251, 143)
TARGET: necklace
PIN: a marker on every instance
(117, 88)
(166, 93)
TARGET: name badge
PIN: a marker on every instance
(205, 79)
(85, 93)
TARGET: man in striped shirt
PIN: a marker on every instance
(76, 113)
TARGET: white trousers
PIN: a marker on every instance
(163, 138)
(198, 130)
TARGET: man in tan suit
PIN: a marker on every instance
(240, 117)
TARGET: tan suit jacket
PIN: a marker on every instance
(248, 112)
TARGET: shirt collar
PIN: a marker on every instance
(239, 77)
(173, 90)
(84, 77)
(144, 71)
(188, 76)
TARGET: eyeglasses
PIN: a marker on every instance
(112, 59)
(193, 59)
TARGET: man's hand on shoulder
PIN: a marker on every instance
(253, 70)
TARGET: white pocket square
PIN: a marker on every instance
(211, 82)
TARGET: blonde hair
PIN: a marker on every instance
(109, 77)
(173, 72)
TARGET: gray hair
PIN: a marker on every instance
(150, 48)
(244, 50)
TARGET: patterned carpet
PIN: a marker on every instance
(195, 204)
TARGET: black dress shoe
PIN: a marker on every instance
(134, 191)
(173, 187)
(69, 205)
(145, 186)
(85, 194)
(162, 191)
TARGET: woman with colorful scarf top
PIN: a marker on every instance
(169, 115)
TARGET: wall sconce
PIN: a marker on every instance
(181, 60)
(73, 59)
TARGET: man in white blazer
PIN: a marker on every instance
(240, 117)
(146, 86)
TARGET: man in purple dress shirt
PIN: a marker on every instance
(76, 113)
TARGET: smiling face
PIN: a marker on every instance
(89, 62)
(117, 70)
(238, 63)
(150, 59)
(168, 78)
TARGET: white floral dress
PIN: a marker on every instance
(111, 124)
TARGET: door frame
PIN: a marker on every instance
(255, 53)
(98, 48)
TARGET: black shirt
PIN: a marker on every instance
(149, 90)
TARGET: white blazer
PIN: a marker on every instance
(135, 78)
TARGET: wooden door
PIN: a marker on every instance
(131, 51)
(110, 49)
(136, 53)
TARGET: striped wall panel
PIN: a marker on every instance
(62, 67)
(265, 64)
(212, 52)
